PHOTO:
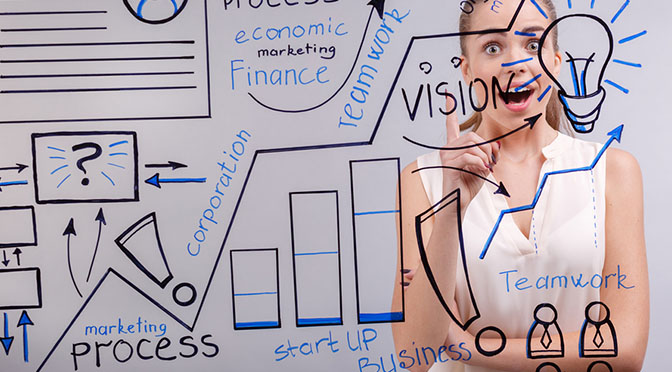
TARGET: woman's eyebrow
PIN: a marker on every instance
(531, 30)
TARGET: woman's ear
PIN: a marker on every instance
(466, 73)
(557, 63)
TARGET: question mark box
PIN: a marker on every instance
(85, 167)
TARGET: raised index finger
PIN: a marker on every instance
(452, 126)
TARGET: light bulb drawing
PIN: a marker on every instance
(580, 81)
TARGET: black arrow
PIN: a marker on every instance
(17, 252)
(529, 123)
(19, 168)
(379, 5)
(170, 164)
(69, 231)
(500, 188)
(5, 261)
(100, 217)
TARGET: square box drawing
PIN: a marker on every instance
(85, 167)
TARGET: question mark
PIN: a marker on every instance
(95, 155)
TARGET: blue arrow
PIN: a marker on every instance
(7, 341)
(25, 322)
(614, 135)
(156, 181)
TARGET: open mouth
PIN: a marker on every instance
(516, 98)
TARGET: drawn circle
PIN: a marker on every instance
(597, 322)
(187, 287)
(539, 314)
(463, 7)
(85, 182)
(548, 364)
(143, 10)
(599, 362)
(425, 67)
(488, 353)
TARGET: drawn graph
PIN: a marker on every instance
(376, 192)
(316, 255)
(255, 288)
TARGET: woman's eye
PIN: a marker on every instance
(533, 46)
(492, 49)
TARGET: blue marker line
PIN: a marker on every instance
(631, 64)
(583, 82)
(140, 6)
(615, 135)
(376, 212)
(380, 317)
(116, 165)
(57, 157)
(118, 143)
(618, 14)
(65, 179)
(59, 168)
(530, 34)
(6, 327)
(270, 324)
(318, 321)
(539, 8)
(569, 4)
(592, 4)
(527, 83)
(182, 180)
(255, 294)
(314, 253)
(55, 148)
(509, 64)
(544, 93)
(108, 177)
(119, 154)
(622, 89)
(633, 37)
(13, 183)
(574, 77)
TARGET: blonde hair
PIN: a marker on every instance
(554, 112)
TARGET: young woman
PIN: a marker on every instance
(577, 257)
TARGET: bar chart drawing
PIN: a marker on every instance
(316, 256)
(376, 214)
(255, 288)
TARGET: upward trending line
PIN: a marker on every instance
(614, 135)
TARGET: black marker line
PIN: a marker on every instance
(100, 217)
(69, 232)
(104, 74)
(114, 59)
(57, 12)
(88, 90)
(500, 188)
(53, 29)
(111, 43)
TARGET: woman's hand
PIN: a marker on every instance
(476, 159)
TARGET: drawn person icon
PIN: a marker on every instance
(548, 367)
(600, 366)
(544, 339)
(598, 336)
(155, 11)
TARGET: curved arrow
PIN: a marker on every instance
(500, 188)
(529, 122)
(101, 221)
(614, 135)
(352, 69)
(69, 231)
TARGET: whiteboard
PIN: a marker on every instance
(212, 184)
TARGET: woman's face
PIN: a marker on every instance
(502, 54)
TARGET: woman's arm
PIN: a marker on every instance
(626, 297)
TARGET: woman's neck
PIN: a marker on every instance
(523, 145)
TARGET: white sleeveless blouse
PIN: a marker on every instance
(561, 262)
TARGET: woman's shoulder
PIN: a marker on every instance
(623, 172)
